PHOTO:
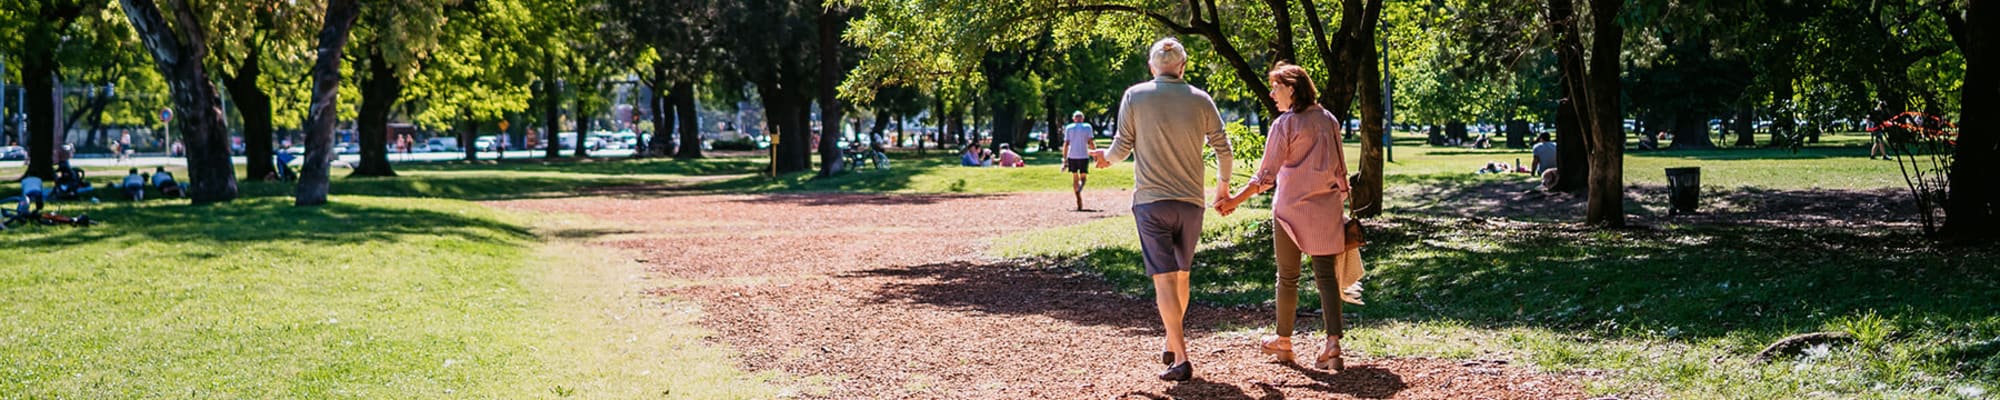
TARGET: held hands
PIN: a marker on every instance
(1225, 204)
(1102, 161)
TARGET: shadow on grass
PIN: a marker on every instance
(1691, 283)
(1060, 293)
(601, 166)
(467, 187)
(1720, 153)
(1517, 198)
(904, 167)
(848, 199)
(271, 219)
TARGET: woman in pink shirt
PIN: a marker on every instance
(1303, 160)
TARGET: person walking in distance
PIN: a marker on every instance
(1079, 139)
(1166, 121)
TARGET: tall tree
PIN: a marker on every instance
(41, 26)
(178, 48)
(314, 183)
(831, 21)
(257, 47)
(472, 78)
(1972, 211)
(1597, 81)
(396, 38)
(684, 46)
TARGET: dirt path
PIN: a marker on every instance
(873, 296)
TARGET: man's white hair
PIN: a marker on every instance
(1167, 55)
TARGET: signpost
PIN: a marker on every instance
(166, 118)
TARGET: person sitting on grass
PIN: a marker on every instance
(134, 185)
(1010, 159)
(70, 183)
(164, 181)
(970, 157)
(284, 156)
(32, 191)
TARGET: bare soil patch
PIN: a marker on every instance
(887, 296)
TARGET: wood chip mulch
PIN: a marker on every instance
(887, 296)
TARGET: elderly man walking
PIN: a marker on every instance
(1165, 121)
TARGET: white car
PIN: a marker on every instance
(441, 145)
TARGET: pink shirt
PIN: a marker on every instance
(1302, 156)
(1009, 159)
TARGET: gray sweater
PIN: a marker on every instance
(1165, 121)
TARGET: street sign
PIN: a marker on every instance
(166, 115)
(503, 125)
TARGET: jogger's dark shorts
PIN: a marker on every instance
(1168, 232)
(1076, 165)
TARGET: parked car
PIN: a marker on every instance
(630, 140)
(601, 140)
(12, 153)
(441, 145)
(485, 142)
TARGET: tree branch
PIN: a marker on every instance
(1162, 20)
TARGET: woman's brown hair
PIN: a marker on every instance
(1303, 94)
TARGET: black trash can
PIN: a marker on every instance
(1683, 189)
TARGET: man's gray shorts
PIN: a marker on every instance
(1168, 232)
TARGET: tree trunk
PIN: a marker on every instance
(1572, 156)
(831, 22)
(379, 93)
(552, 96)
(1746, 126)
(1457, 130)
(1053, 137)
(38, 77)
(468, 137)
(178, 57)
(583, 121)
(1281, 16)
(782, 115)
(39, 70)
(1972, 210)
(255, 108)
(956, 124)
(1005, 112)
(321, 115)
(1517, 134)
(1606, 205)
(690, 129)
(1367, 200)
(663, 104)
(1690, 132)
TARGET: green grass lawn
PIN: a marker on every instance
(1836, 163)
(367, 297)
(401, 288)
(1677, 311)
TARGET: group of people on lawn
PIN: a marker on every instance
(71, 184)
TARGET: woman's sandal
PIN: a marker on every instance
(1277, 346)
(1329, 359)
